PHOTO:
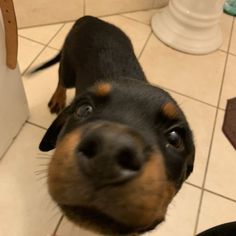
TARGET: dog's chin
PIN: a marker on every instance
(99, 222)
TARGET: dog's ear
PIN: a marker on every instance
(50, 138)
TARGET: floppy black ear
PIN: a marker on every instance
(50, 138)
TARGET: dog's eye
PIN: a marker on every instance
(175, 140)
(84, 110)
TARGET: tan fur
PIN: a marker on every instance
(137, 203)
(58, 100)
(103, 89)
(170, 110)
(144, 199)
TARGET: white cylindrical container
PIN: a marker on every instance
(190, 26)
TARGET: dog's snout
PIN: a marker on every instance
(89, 147)
(110, 155)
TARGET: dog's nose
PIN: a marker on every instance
(110, 155)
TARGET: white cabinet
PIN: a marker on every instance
(13, 104)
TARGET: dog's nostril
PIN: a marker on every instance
(128, 160)
(88, 148)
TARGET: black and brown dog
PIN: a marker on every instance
(123, 147)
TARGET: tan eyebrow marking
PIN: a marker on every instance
(102, 89)
(170, 111)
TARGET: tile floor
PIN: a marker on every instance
(200, 84)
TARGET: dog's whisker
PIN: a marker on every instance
(41, 174)
(43, 158)
(41, 178)
(41, 171)
(44, 154)
(45, 164)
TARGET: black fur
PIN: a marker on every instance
(95, 51)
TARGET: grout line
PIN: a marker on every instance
(125, 12)
(41, 25)
(210, 191)
(100, 16)
(198, 213)
(187, 96)
(193, 185)
(213, 133)
(58, 225)
(54, 48)
(232, 54)
(45, 46)
(32, 40)
(222, 50)
(144, 46)
(84, 11)
(176, 92)
(220, 195)
(57, 32)
(221, 109)
(35, 58)
(138, 21)
(36, 125)
(12, 141)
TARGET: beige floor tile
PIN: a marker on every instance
(26, 208)
(58, 41)
(221, 171)
(181, 215)
(45, 12)
(137, 32)
(142, 16)
(233, 40)
(226, 26)
(41, 34)
(28, 50)
(215, 211)
(196, 76)
(109, 7)
(39, 89)
(69, 229)
(229, 86)
(201, 118)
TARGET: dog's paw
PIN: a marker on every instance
(56, 106)
(58, 101)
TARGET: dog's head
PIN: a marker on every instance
(123, 150)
